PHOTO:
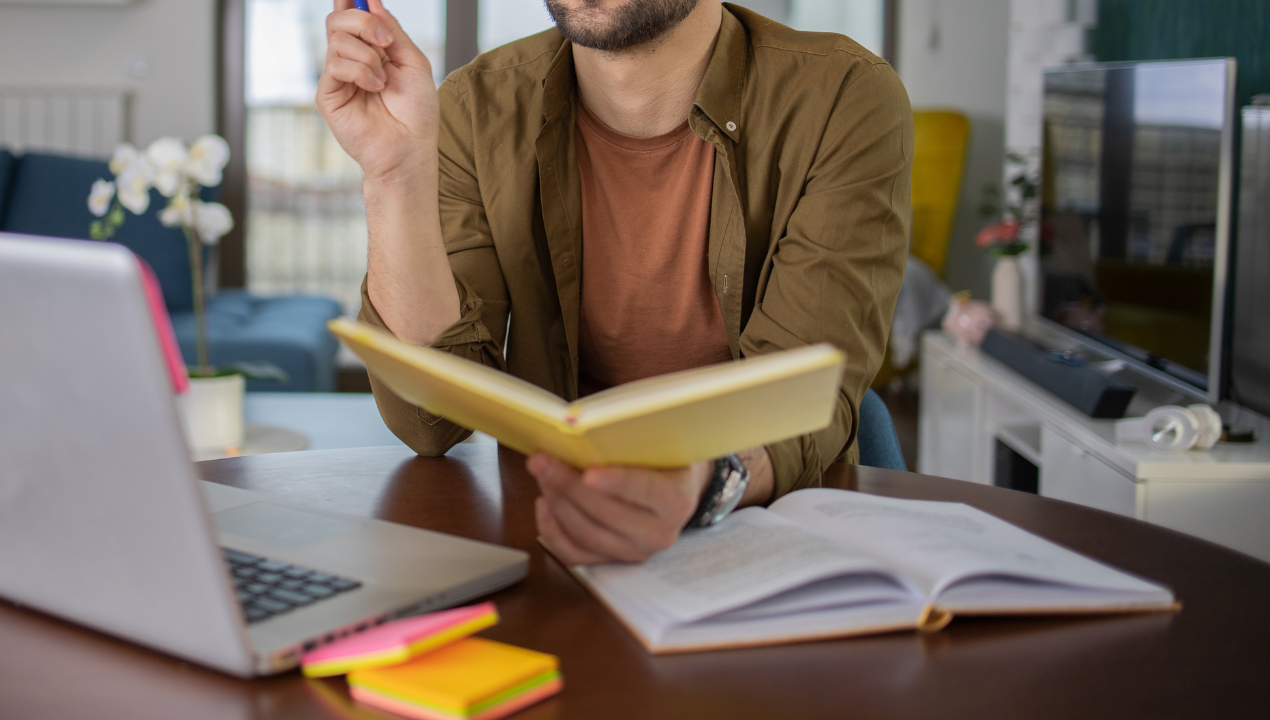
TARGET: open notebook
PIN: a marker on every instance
(825, 563)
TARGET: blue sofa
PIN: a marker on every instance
(48, 195)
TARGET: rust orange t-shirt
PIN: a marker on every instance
(648, 307)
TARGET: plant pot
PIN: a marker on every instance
(1007, 295)
(212, 411)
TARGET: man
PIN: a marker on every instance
(651, 186)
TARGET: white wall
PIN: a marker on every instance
(164, 50)
(952, 55)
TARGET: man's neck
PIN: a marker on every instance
(649, 90)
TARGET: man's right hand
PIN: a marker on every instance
(377, 94)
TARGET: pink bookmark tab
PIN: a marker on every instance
(163, 328)
(398, 641)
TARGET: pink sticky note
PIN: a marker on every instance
(398, 641)
(163, 328)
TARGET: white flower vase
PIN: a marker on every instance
(1007, 295)
(212, 410)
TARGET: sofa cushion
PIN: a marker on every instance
(50, 197)
(289, 332)
(7, 164)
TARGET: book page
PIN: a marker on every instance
(749, 556)
(834, 592)
(936, 544)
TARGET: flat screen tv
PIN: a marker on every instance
(1135, 213)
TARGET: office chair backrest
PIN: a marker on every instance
(879, 445)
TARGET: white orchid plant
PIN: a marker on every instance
(179, 174)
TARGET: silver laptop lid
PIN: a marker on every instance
(101, 520)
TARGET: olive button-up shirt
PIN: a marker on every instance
(809, 216)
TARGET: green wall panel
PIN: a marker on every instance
(1175, 29)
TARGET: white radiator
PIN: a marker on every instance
(75, 121)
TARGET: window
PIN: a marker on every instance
(502, 21)
(306, 222)
(862, 20)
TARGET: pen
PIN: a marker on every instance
(361, 5)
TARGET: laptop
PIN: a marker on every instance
(105, 522)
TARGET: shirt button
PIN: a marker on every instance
(731, 126)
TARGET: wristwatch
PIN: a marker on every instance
(723, 494)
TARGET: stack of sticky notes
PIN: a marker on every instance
(474, 678)
(429, 667)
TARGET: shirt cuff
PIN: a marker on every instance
(427, 434)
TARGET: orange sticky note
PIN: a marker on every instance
(472, 679)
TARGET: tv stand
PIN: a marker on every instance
(970, 403)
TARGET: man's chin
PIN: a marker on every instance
(633, 24)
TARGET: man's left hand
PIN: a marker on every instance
(613, 514)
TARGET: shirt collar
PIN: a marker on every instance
(719, 96)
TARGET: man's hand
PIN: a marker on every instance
(613, 514)
(625, 514)
(377, 94)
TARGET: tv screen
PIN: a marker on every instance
(1134, 204)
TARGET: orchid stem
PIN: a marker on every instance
(203, 368)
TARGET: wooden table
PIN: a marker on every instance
(1212, 660)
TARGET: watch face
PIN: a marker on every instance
(732, 486)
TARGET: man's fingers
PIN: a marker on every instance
(556, 538)
(550, 472)
(650, 489)
(361, 24)
(643, 527)
(352, 48)
(596, 537)
(402, 50)
(351, 71)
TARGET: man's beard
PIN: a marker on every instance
(636, 23)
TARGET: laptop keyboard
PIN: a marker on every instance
(269, 587)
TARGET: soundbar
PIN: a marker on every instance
(1087, 390)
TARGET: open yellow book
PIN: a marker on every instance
(666, 421)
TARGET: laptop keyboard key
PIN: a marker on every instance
(318, 591)
(240, 558)
(273, 606)
(289, 596)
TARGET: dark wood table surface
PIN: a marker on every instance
(1211, 660)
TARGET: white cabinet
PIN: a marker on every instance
(970, 402)
(949, 406)
(1069, 472)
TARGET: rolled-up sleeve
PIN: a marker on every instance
(483, 299)
(836, 272)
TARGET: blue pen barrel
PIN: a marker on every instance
(361, 5)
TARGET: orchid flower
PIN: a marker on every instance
(99, 198)
(212, 221)
(167, 157)
(207, 159)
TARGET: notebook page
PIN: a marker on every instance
(935, 544)
(749, 556)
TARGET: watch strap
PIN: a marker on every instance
(727, 487)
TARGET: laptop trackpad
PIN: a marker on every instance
(278, 525)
